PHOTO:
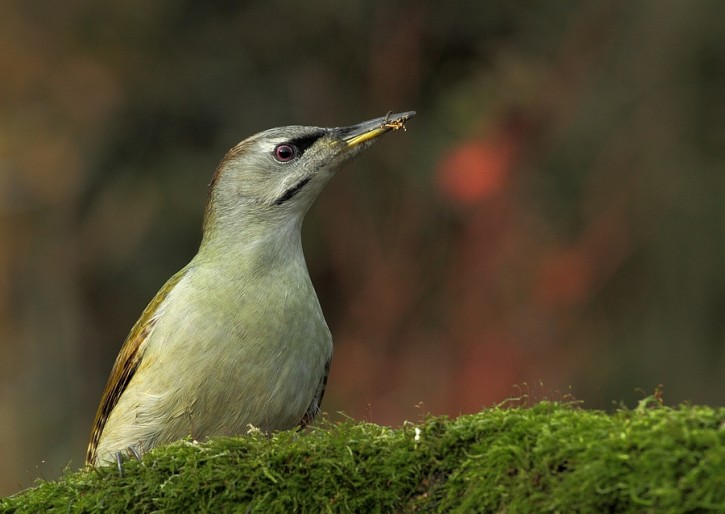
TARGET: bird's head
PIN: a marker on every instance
(270, 180)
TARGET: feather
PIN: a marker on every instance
(127, 363)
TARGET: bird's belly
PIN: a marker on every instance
(225, 380)
(268, 387)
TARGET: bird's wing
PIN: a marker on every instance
(127, 363)
(314, 407)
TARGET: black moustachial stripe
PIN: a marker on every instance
(292, 191)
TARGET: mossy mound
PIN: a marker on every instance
(550, 457)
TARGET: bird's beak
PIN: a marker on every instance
(368, 130)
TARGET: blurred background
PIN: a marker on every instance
(552, 223)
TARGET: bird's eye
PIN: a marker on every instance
(285, 152)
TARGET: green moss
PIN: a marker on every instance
(550, 457)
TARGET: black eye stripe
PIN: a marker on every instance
(304, 142)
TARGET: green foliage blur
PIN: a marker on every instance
(553, 219)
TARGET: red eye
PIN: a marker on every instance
(284, 152)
